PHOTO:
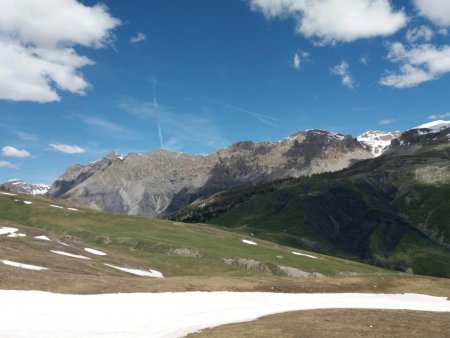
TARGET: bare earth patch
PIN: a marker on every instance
(338, 323)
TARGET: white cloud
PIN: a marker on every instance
(68, 149)
(343, 71)
(386, 122)
(296, 61)
(437, 11)
(443, 31)
(37, 37)
(364, 60)
(9, 151)
(336, 20)
(439, 116)
(8, 165)
(417, 65)
(423, 33)
(299, 58)
(139, 37)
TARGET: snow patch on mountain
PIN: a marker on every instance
(434, 127)
(19, 186)
(377, 142)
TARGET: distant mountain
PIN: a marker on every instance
(392, 210)
(377, 141)
(160, 181)
(19, 186)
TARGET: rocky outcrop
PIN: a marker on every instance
(160, 181)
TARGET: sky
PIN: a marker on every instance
(79, 79)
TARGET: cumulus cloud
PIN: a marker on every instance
(439, 116)
(139, 37)
(421, 33)
(10, 151)
(336, 20)
(437, 11)
(418, 64)
(68, 149)
(343, 70)
(37, 40)
(8, 165)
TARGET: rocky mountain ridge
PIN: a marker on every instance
(19, 186)
(160, 181)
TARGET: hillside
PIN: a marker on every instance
(390, 211)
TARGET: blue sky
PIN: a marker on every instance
(198, 75)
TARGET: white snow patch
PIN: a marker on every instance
(56, 206)
(21, 265)
(174, 314)
(16, 234)
(72, 209)
(246, 241)
(28, 202)
(43, 237)
(64, 244)
(7, 193)
(435, 126)
(68, 254)
(302, 254)
(95, 252)
(138, 272)
(7, 230)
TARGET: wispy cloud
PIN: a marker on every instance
(67, 149)
(9, 151)
(343, 70)
(8, 165)
(100, 122)
(180, 131)
(299, 58)
(386, 122)
(139, 37)
(439, 116)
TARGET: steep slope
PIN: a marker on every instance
(391, 211)
(159, 182)
(17, 185)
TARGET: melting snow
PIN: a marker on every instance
(7, 230)
(435, 126)
(64, 244)
(248, 242)
(23, 266)
(16, 234)
(28, 202)
(138, 272)
(302, 254)
(7, 193)
(95, 252)
(69, 254)
(55, 206)
(72, 209)
(43, 237)
(43, 314)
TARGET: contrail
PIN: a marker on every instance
(155, 104)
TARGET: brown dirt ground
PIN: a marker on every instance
(338, 323)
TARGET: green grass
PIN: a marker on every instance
(153, 240)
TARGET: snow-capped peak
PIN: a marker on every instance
(377, 141)
(435, 126)
(26, 188)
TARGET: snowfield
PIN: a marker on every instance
(43, 314)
